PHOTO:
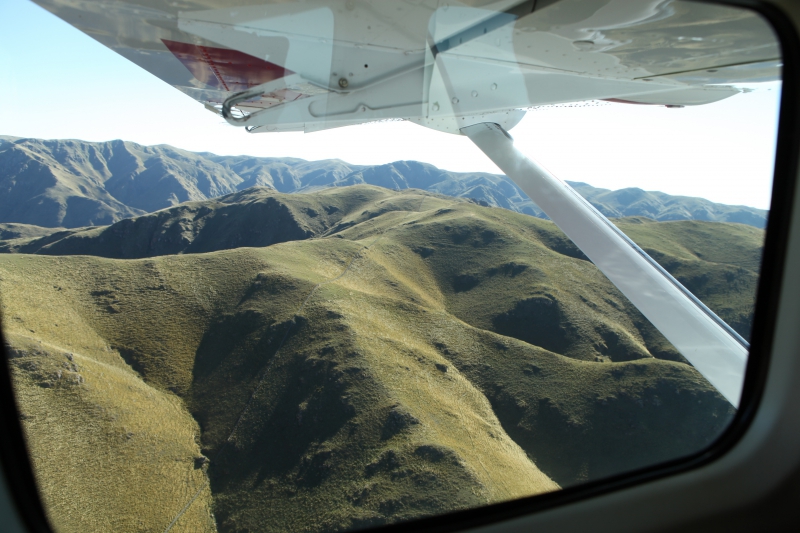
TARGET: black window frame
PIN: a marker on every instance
(20, 478)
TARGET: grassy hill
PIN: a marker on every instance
(71, 183)
(400, 355)
(709, 259)
(255, 217)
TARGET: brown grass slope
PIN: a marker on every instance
(288, 467)
(427, 355)
(112, 453)
(23, 231)
(17, 238)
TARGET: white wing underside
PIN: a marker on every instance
(442, 64)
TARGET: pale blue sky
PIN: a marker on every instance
(58, 83)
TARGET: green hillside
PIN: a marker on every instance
(714, 260)
(255, 217)
(402, 355)
(719, 263)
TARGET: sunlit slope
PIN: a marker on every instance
(23, 231)
(717, 261)
(367, 450)
(419, 355)
(255, 217)
(112, 453)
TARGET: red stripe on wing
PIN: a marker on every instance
(225, 69)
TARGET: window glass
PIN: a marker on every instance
(377, 307)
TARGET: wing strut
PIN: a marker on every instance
(712, 347)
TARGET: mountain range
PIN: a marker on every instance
(71, 183)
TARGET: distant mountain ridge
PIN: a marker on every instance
(72, 183)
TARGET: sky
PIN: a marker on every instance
(56, 82)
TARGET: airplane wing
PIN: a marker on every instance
(317, 64)
(467, 67)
